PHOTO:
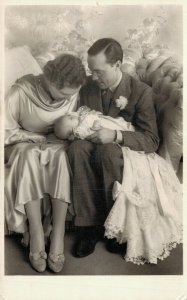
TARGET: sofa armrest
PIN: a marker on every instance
(164, 75)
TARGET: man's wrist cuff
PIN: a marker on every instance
(115, 136)
(118, 137)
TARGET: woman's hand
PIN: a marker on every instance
(33, 137)
(38, 139)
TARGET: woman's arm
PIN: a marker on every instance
(14, 133)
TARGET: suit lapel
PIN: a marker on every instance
(124, 90)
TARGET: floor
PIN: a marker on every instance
(100, 262)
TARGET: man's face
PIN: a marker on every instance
(104, 73)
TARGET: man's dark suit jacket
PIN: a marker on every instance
(139, 111)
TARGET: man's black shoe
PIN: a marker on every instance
(87, 240)
(84, 247)
(114, 247)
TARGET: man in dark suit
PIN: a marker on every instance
(97, 162)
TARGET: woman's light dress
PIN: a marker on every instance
(33, 168)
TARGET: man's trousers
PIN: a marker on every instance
(95, 168)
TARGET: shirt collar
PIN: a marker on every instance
(114, 86)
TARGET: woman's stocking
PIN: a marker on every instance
(33, 211)
(59, 210)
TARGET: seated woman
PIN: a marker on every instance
(34, 165)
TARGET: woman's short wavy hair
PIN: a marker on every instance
(65, 70)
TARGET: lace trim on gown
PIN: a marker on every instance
(152, 255)
(149, 221)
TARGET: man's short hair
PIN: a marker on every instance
(110, 47)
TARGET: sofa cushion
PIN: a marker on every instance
(19, 62)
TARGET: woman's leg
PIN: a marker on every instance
(33, 211)
(59, 210)
(24, 182)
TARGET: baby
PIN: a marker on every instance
(85, 121)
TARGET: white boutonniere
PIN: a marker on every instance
(121, 102)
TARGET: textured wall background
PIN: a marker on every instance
(74, 28)
(118, 20)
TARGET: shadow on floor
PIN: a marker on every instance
(100, 262)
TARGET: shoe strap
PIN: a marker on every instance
(57, 257)
(37, 255)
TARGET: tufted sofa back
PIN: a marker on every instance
(164, 74)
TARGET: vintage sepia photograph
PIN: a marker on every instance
(93, 135)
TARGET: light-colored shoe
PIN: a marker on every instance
(56, 262)
(25, 239)
(38, 260)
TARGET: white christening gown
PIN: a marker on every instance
(147, 212)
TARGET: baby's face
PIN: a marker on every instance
(64, 127)
(71, 121)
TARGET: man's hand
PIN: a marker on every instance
(102, 136)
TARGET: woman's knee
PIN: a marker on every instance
(60, 158)
(28, 153)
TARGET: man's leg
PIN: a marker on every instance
(87, 201)
(109, 165)
(95, 168)
(87, 198)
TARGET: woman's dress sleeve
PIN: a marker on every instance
(14, 133)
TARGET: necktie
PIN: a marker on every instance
(106, 98)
